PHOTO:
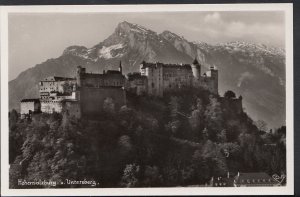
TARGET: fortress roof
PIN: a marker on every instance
(158, 64)
(113, 72)
(30, 100)
(107, 74)
(55, 78)
(195, 61)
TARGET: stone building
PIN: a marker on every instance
(53, 90)
(166, 77)
(82, 95)
(86, 93)
(94, 89)
(29, 106)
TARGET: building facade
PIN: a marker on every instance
(29, 106)
(167, 77)
(253, 180)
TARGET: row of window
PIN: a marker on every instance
(47, 89)
(115, 83)
(220, 184)
(255, 181)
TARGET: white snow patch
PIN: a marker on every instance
(105, 52)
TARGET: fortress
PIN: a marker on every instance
(157, 78)
(88, 94)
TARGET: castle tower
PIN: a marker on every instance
(120, 68)
(79, 76)
(214, 76)
(196, 69)
(143, 69)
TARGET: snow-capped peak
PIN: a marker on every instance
(254, 47)
(126, 27)
(171, 36)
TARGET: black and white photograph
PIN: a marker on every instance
(169, 97)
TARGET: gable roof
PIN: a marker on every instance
(254, 178)
(159, 64)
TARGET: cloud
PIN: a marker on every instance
(245, 75)
(213, 18)
(214, 27)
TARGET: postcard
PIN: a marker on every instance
(147, 99)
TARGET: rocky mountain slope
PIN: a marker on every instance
(257, 72)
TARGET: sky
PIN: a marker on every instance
(34, 38)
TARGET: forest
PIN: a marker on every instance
(182, 139)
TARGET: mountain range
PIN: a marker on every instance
(255, 71)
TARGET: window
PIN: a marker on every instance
(152, 85)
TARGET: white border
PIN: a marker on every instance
(287, 8)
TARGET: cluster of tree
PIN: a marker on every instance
(182, 139)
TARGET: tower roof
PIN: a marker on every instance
(195, 61)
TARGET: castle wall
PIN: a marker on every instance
(234, 104)
(99, 80)
(27, 107)
(51, 106)
(138, 85)
(155, 80)
(209, 83)
(174, 78)
(165, 77)
(73, 108)
(92, 99)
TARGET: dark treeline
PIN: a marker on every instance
(182, 139)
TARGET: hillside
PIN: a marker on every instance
(257, 72)
(144, 144)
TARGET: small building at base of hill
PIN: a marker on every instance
(222, 181)
(254, 179)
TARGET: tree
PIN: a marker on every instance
(125, 144)
(229, 94)
(131, 175)
(197, 116)
(152, 176)
(13, 118)
(174, 106)
(108, 105)
(213, 117)
(261, 125)
(222, 136)
(67, 87)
